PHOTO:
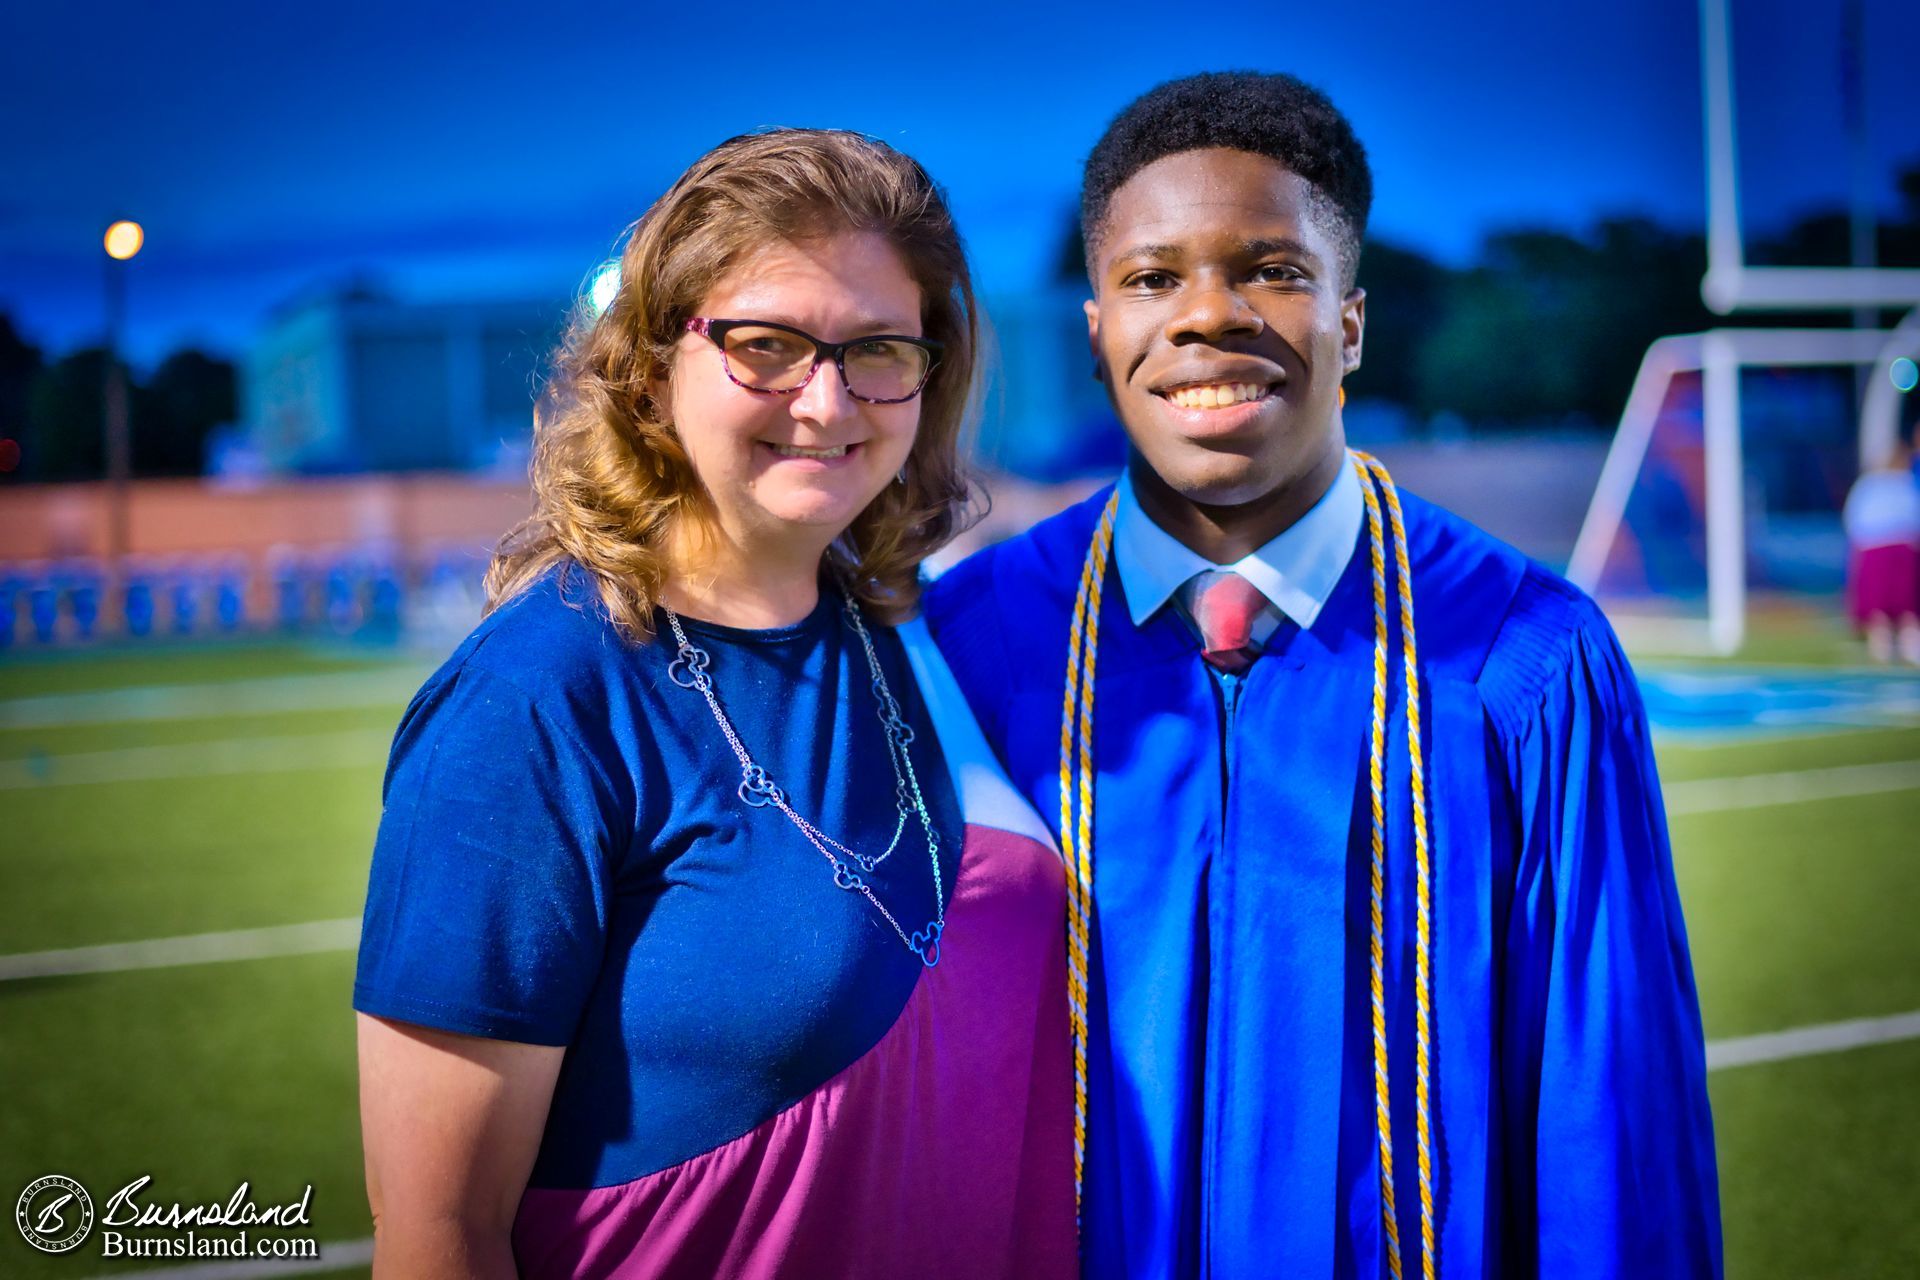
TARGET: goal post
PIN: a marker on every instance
(1719, 355)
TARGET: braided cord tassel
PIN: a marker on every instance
(1376, 958)
(1423, 861)
(1076, 840)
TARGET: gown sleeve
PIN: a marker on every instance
(487, 902)
(963, 616)
(1609, 1148)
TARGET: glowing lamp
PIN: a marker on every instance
(123, 240)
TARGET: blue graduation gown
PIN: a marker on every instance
(1231, 1131)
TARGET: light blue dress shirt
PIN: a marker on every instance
(1296, 570)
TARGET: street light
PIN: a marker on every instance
(122, 241)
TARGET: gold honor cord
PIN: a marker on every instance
(1371, 473)
(1076, 844)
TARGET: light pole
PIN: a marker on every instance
(122, 241)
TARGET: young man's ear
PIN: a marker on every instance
(1353, 327)
(1092, 309)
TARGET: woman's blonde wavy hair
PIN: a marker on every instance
(610, 475)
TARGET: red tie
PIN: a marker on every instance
(1224, 608)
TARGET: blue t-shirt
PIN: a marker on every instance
(563, 859)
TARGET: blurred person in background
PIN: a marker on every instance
(704, 936)
(1882, 520)
(1374, 917)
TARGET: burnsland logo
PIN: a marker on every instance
(55, 1215)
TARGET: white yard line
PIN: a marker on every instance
(1743, 1051)
(280, 753)
(343, 934)
(1757, 790)
(1805, 1042)
(200, 948)
(335, 1255)
(1778, 1046)
(324, 691)
(1842, 725)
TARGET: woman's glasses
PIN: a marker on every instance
(762, 356)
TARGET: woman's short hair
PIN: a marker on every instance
(610, 474)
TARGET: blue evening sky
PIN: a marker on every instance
(487, 150)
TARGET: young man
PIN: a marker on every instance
(1379, 964)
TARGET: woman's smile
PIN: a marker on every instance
(779, 463)
(825, 455)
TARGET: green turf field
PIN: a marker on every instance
(154, 796)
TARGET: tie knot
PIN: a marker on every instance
(1224, 608)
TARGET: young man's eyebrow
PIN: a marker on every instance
(1148, 251)
(1267, 245)
(1260, 247)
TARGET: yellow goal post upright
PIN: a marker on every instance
(1732, 286)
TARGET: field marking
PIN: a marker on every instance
(278, 753)
(1703, 707)
(312, 938)
(335, 1255)
(1701, 743)
(343, 934)
(1758, 790)
(1779, 1046)
(1805, 1042)
(265, 695)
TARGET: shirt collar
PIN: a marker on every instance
(1296, 570)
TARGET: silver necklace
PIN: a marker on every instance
(758, 789)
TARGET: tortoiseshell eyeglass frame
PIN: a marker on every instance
(716, 332)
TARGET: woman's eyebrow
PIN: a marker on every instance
(861, 325)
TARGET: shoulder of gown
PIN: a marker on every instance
(1510, 625)
(1486, 614)
(1004, 609)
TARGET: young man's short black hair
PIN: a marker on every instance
(1270, 114)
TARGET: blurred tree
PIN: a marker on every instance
(189, 394)
(171, 416)
(1070, 259)
(1512, 332)
(1646, 287)
(1822, 238)
(1405, 293)
(20, 361)
(1550, 325)
(66, 409)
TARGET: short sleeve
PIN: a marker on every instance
(487, 902)
(1606, 1081)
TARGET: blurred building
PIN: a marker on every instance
(354, 381)
(1046, 417)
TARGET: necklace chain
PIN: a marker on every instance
(758, 790)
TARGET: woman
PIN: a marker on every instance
(704, 937)
(1882, 522)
